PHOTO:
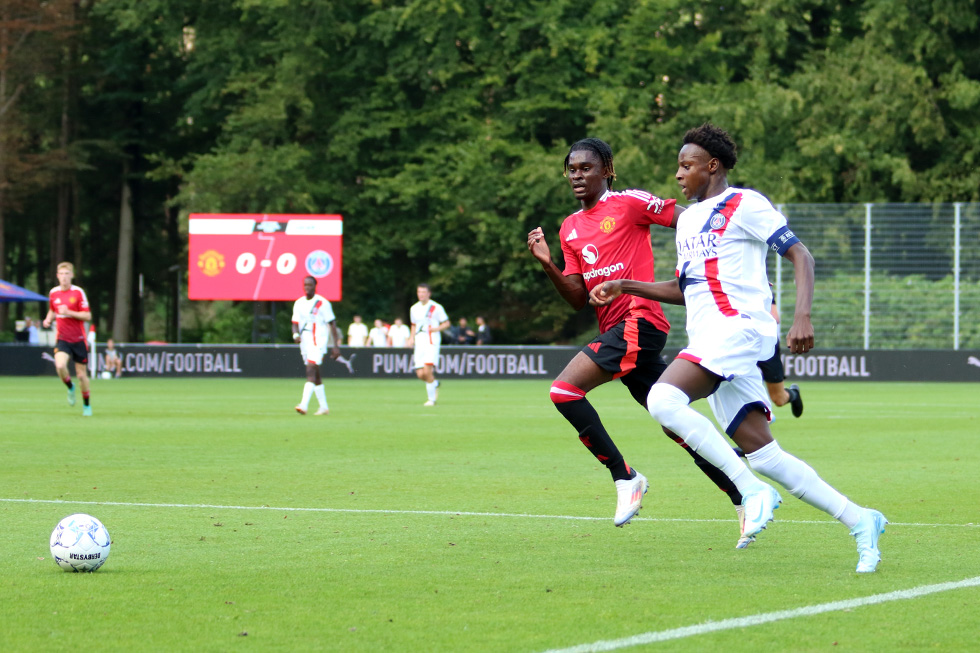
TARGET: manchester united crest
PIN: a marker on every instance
(607, 225)
(211, 263)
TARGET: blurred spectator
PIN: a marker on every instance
(357, 333)
(113, 362)
(398, 334)
(33, 338)
(483, 335)
(378, 335)
(20, 331)
(464, 334)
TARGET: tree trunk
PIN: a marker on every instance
(124, 264)
(4, 47)
(68, 186)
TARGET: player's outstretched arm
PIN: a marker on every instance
(572, 287)
(800, 336)
(667, 292)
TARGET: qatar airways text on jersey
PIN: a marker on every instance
(698, 246)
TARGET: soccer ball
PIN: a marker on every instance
(80, 543)
(106, 374)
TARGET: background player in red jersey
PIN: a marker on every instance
(609, 238)
(70, 310)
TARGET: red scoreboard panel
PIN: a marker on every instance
(263, 257)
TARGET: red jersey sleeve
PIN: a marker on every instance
(650, 209)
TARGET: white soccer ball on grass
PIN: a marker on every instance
(80, 543)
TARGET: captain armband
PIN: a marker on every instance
(782, 240)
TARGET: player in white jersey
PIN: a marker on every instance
(315, 329)
(429, 320)
(721, 277)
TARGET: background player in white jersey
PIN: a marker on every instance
(314, 328)
(609, 237)
(722, 242)
(429, 320)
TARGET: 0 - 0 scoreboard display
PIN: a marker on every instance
(263, 257)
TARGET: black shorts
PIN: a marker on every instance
(631, 350)
(772, 369)
(77, 350)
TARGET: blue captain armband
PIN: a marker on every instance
(782, 240)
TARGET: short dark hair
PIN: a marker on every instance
(598, 147)
(309, 276)
(423, 285)
(715, 141)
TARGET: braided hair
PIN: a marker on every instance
(715, 141)
(601, 149)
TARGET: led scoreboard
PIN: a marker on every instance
(263, 257)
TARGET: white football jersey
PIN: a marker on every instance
(314, 315)
(722, 243)
(426, 318)
(399, 334)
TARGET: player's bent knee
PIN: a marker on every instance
(562, 393)
(664, 402)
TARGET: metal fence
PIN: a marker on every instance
(888, 276)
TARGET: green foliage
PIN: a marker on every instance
(437, 127)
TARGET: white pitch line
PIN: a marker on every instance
(454, 513)
(768, 617)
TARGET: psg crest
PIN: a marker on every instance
(319, 263)
(717, 221)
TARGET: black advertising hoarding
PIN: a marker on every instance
(492, 362)
(284, 361)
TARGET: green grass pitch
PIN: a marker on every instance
(479, 525)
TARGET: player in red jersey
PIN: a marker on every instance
(69, 308)
(609, 238)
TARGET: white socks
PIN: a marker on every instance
(430, 390)
(670, 406)
(307, 393)
(321, 396)
(803, 483)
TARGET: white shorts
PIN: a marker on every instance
(426, 353)
(311, 353)
(733, 355)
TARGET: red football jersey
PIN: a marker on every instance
(69, 329)
(612, 241)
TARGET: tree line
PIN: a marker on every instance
(438, 129)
